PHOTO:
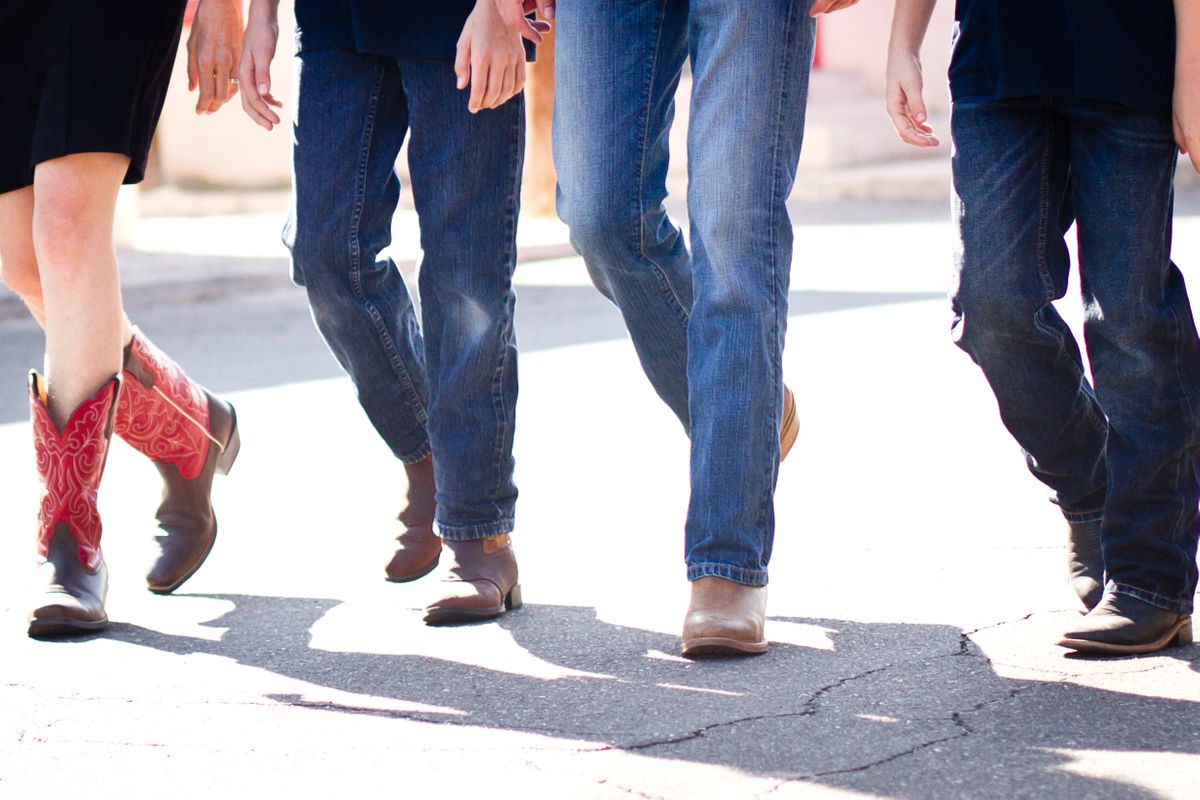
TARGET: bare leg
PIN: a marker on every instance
(74, 204)
(18, 262)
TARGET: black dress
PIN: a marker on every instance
(82, 76)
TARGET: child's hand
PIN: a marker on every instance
(905, 98)
(258, 50)
(1187, 109)
(491, 59)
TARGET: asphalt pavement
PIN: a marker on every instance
(917, 585)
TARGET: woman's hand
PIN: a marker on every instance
(513, 13)
(905, 98)
(213, 47)
(258, 51)
(491, 59)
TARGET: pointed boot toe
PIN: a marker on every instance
(1123, 625)
(482, 582)
(725, 618)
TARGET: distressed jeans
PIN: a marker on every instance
(1124, 450)
(708, 323)
(449, 386)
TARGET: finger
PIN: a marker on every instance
(271, 101)
(479, 79)
(1180, 139)
(193, 71)
(208, 84)
(508, 88)
(260, 74)
(546, 8)
(915, 102)
(519, 83)
(462, 64)
(819, 7)
(541, 26)
(224, 90)
(495, 87)
(254, 115)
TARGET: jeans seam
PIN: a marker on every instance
(503, 361)
(360, 190)
(664, 282)
(773, 422)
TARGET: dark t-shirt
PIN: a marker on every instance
(1122, 51)
(401, 29)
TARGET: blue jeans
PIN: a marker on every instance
(1124, 451)
(708, 326)
(449, 386)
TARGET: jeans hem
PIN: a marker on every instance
(419, 454)
(1157, 600)
(747, 577)
(470, 533)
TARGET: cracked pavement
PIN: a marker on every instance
(917, 584)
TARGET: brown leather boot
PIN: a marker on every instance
(789, 428)
(482, 583)
(190, 435)
(418, 547)
(70, 464)
(725, 618)
(1085, 562)
(1122, 625)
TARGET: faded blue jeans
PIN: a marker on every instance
(1123, 451)
(450, 386)
(708, 325)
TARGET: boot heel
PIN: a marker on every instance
(230, 453)
(513, 599)
(1184, 637)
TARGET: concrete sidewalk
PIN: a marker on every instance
(917, 582)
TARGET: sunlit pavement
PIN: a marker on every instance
(917, 585)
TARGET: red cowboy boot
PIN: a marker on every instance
(69, 464)
(190, 435)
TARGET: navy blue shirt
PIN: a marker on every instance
(401, 29)
(1122, 51)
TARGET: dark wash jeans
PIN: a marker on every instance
(449, 386)
(708, 325)
(1124, 451)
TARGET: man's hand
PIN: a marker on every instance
(491, 59)
(513, 13)
(905, 98)
(820, 7)
(258, 50)
(213, 47)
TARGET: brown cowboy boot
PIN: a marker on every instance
(482, 583)
(725, 618)
(190, 435)
(70, 463)
(1122, 625)
(418, 547)
(789, 429)
(1085, 562)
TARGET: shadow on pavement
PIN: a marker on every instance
(259, 340)
(895, 710)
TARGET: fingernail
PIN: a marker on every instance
(549, 13)
(920, 116)
(263, 88)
